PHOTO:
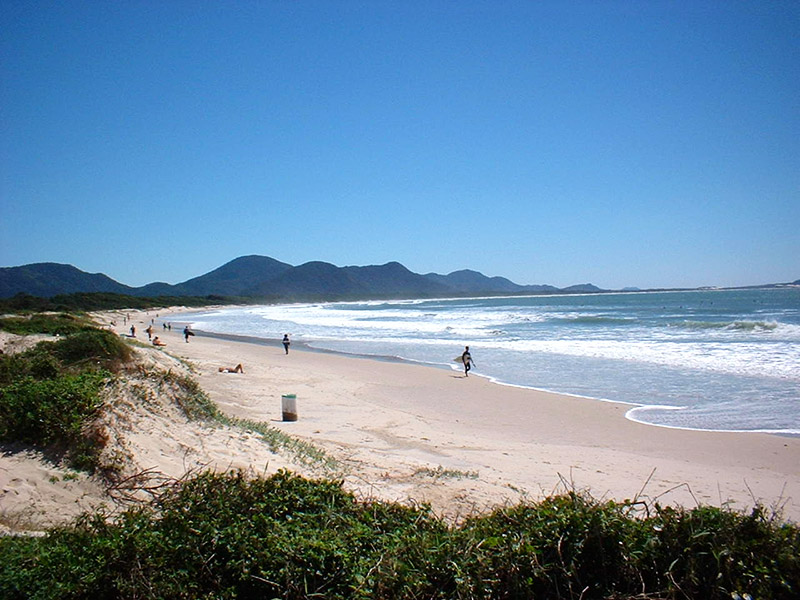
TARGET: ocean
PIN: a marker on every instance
(723, 360)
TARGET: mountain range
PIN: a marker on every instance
(264, 278)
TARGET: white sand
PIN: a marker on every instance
(420, 434)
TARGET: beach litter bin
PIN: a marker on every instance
(289, 407)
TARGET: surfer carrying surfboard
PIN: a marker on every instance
(466, 358)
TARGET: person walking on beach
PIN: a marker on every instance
(149, 331)
(133, 330)
(466, 358)
(286, 342)
(187, 332)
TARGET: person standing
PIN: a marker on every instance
(286, 342)
(186, 333)
(466, 358)
(133, 330)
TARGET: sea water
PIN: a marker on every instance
(709, 359)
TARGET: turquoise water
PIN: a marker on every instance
(718, 360)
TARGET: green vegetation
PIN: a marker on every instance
(50, 394)
(304, 452)
(193, 401)
(230, 536)
(53, 412)
(52, 324)
(227, 536)
(440, 472)
(196, 404)
(93, 301)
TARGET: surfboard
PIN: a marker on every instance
(459, 359)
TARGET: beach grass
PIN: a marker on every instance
(278, 441)
(196, 404)
(441, 472)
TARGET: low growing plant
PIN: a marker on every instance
(53, 413)
(53, 324)
(231, 536)
(50, 394)
(92, 348)
(305, 452)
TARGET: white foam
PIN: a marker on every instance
(778, 360)
(625, 343)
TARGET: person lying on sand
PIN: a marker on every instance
(158, 342)
(237, 369)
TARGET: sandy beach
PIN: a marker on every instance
(418, 434)
(396, 425)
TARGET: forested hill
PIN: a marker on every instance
(266, 278)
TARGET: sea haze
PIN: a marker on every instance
(716, 360)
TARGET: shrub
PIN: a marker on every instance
(50, 394)
(53, 413)
(53, 324)
(222, 536)
(564, 547)
(93, 347)
(711, 552)
(228, 536)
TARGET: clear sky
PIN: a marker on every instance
(636, 143)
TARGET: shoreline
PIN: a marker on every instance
(633, 406)
(394, 425)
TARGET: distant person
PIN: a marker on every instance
(466, 358)
(149, 331)
(286, 343)
(158, 342)
(237, 369)
(186, 333)
(133, 330)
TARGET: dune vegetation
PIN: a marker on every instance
(235, 535)
(230, 536)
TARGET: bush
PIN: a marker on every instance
(52, 413)
(227, 536)
(712, 553)
(93, 347)
(50, 394)
(564, 547)
(53, 324)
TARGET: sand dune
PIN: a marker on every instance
(419, 434)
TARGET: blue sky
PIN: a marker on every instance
(619, 143)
